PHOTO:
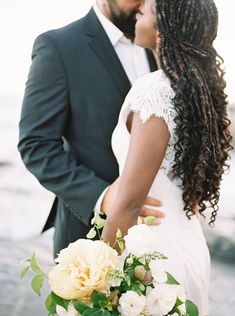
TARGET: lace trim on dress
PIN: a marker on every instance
(152, 95)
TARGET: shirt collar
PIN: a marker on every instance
(114, 34)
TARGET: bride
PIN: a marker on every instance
(172, 138)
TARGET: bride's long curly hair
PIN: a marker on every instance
(188, 58)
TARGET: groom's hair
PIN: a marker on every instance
(188, 58)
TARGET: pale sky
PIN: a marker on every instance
(22, 20)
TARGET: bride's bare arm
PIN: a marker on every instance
(146, 151)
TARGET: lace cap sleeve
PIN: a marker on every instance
(152, 95)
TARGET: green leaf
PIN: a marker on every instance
(119, 234)
(178, 302)
(106, 313)
(100, 223)
(92, 312)
(59, 301)
(24, 272)
(80, 307)
(171, 279)
(115, 313)
(91, 234)
(141, 287)
(128, 280)
(37, 283)
(177, 311)
(34, 265)
(94, 219)
(50, 305)
(191, 308)
(97, 298)
(121, 245)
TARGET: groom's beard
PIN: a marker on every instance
(125, 22)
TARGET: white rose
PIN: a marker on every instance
(158, 271)
(131, 304)
(70, 312)
(161, 300)
(82, 268)
(140, 240)
(181, 294)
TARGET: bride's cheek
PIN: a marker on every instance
(139, 31)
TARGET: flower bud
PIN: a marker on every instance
(148, 278)
(140, 272)
(114, 299)
(150, 220)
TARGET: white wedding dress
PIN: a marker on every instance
(182, 240)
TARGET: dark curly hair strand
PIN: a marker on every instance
(188, 58)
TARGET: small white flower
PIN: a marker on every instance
(114, 283)
(140, 240)
(131, 304)
(158, 271)
(129, 260)
(161, 300)
(70, 312)
(114, 277)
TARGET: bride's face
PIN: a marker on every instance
(145, 28)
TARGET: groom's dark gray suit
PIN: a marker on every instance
(73, 96)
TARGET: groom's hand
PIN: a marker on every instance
(148, 209)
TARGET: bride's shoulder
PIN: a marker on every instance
(153, 79)
(152, 95)
(155, 84)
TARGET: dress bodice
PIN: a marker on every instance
(150, 95)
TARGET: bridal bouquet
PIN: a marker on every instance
(90, 279)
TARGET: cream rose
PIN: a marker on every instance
(82, 268)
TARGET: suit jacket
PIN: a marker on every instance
(75, 89)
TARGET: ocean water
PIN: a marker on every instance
(24, 203)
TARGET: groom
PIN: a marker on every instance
(79, 77)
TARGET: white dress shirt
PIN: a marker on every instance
(132, 57)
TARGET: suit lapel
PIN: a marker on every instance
(102, 47)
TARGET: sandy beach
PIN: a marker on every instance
(24, 208)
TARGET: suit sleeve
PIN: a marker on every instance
(43, 119)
